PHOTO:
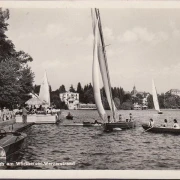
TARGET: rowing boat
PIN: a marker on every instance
(161, 130)
(89, 124)
(10, 142)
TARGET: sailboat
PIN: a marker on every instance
(155, 98)
(47, 116)
(100, 62)
(44, 94)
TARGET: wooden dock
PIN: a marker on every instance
(18, 127)
(39, 119)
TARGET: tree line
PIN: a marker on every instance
(16, 77)
(121, 99)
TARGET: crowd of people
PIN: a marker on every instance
(165, 125)
(6, 114)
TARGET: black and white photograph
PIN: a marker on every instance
(89, 88)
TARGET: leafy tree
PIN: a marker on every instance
(36, 89)
(127, 105)
(105, 103)
(55, 99)
(16, 77)
(127, 97)
(161, 99)
(117, 102)
(10, 86)
(150, 102)
(121, 94)
(62, 89)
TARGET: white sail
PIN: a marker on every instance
(103, 65)
(95, 76)
(44, 94)
(107, 86)
(155, 98)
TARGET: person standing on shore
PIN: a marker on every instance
(4, 114)
(24, 115)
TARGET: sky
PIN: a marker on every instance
(142, 44)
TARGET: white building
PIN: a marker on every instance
(174, 92)
(71, 99)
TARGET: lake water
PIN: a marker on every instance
(89, 148)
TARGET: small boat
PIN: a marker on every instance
(10, 142)
(90, 124)
(108, 127)
(161, 130)
(100, 62)
(155, 98)
(74, 124)
(69, 116)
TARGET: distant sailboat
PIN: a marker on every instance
(155, 98)
(44, 94)
(100, 62)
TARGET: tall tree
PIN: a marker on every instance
(81, 92)
(62, 89)
(71, 89)
(15, 74)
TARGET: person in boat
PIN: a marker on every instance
(24, 115)
(127, 120)
(109, 119)
(69, 114)
(175, 125)
(96, 122)
(151, 123)
(165, 123)
(0, 114)
(130, 117)
(120, 117)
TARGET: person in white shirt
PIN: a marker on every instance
(175, 125)
(120, 117)
(151, 123)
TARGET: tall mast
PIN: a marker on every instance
(105, 58)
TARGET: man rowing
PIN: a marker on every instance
(151, 123)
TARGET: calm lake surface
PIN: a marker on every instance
(89, 148)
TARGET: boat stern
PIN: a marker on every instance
(2, 155)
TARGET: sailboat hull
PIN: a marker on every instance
(160, 112)
(108, 127)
